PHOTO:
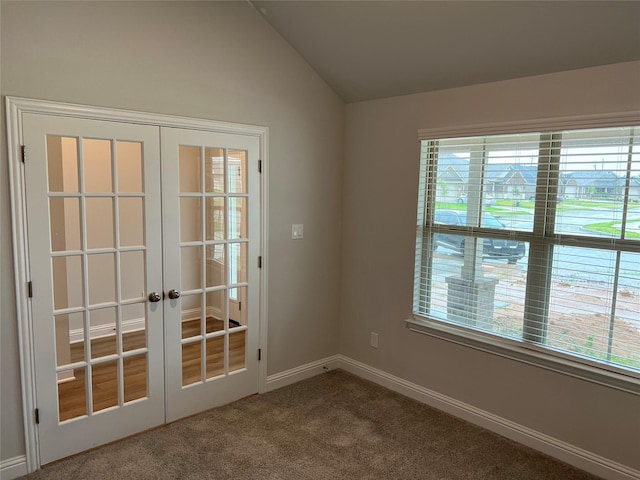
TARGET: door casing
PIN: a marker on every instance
(15, 108)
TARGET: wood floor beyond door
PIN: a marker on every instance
(72, 393)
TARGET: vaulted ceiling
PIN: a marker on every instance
(375, 49)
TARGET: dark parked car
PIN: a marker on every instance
(512, 250)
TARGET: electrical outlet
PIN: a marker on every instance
(374, 339)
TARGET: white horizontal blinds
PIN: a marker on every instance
(534, 237)
(422, 288)
(594, 312)
(599, 165)
(594, 298)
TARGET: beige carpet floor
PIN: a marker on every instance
(333, 426)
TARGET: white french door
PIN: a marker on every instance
(211, 256)
(93, 217)
(143, 249)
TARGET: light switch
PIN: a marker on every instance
(297, 231)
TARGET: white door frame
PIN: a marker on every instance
(15, 108)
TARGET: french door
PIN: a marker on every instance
(143, 246)
(211, 226)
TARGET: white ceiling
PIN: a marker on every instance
(376, 49)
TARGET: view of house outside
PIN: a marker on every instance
(594, 300)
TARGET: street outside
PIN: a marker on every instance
(581, 292)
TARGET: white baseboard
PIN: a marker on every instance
(13, 468)
(302, 372)
(99, 331)
(559, 449)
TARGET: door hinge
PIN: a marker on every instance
(37, 416)
(260, 261)
(239, 306)
(259, 354)
(23, 153)
(30, 289)
(259, 166)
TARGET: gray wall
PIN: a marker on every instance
(211, 60)
(380, 190)
(222, 61)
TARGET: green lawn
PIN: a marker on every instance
(573, 204)
(450, 206)
(502, 206)
(608, 227)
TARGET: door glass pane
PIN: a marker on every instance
(62, 164)
(191, 315)
(132, 268)
(216, 310)
(237, 165)
(190, 219)
(238, 262)
(190, 164)
(69, 338)
(99, 220)
(215, 356)
(237, 350)
(214, 218)
(191, 363)
(134, 327)
(129, 156)
(97, 165)
(64, 217)
(131, 221)
(67, 282)
(134, 370)
(237, 306)
(214, 169)
(102, 278)
(72, 394)
(104, 385)
(103, 332)
(216, 271)
(237, 218)
(190, 268)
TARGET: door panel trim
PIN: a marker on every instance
(15, 108)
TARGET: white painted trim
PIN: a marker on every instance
(541, 442)
(302, 372)
(264, 271)
(13, 467)
(15, 108)
(99, 331)
(21, 277)
(526, 353)
(133, 325)
(46, 107)
(621, 119)
(190, 314)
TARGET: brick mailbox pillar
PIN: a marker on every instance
(470, 302)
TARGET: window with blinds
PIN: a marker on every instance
(534, 239)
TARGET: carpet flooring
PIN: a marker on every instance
(332, 426)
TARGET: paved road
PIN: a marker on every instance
(580, 265)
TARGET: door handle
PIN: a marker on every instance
(155, 297)
(173, 294)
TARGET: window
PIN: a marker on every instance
(531, 242)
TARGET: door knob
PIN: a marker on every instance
(154, 297)
(173, 294)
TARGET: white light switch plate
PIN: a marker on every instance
(297, 231)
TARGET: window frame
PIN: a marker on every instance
(542, 238)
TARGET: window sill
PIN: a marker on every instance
(525, 353)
